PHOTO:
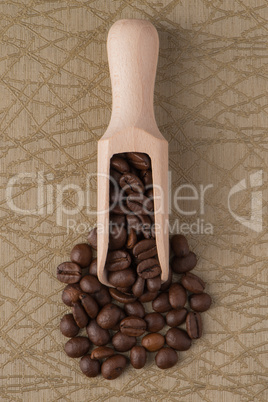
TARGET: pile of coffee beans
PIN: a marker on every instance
(119, 319)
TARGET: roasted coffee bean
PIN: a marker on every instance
(97, 335)
(90, 284)
(89, 367)
(138, 357)
(153, 284)
(90, 305)
(145, 249)
(193, 283)
(147, 177)
(77, 347)
(109, 316)
(166, 358)
(148, 269)
(178, 339)
(92, 238)
(165, 286)
(119, 164)
(122, 279)
(117, 260)
(69, 272)
(177, 296)
(121, 297)
(118, 220)
(135, 308)
(141, 224)
(117, 237)
(71, 294)
(114, 177)
(161, 303)
(179, 245)
(113, 367)
(138, 287)
(149, 192)
(102, 297)
(176, 317)
(122, 342)
(200, 303)
(155, 322)
(147, 296)
(131, 183)
(92, 270)
(120, 209)
(133, 326)
(102, 352)
(81, 254)
(184, 264)
(80, 316)
(153, 342)
(126, 291)
(68, 326)
(140, 204)
(139, 160)
(194, 325)
(132, 239)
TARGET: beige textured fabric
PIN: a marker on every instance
(211, 105)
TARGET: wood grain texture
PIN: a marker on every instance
(211, 105)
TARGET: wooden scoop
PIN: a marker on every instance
(132, 54)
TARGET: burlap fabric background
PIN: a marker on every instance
(211, 105)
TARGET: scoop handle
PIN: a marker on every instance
(132, 54)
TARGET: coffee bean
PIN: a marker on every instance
(81, 254)
(135, 308)
(122, 342)
(194, 325)
(165, 286)
(91, 368)
(193, 283)
(77, 347)
(117, 237)
(123, 278)
(121, 297)
(114, 177)
(166, 358)
(132, 239)
(69, 272)
(90, 305)
(109, 316)
(119, 164)
(131, 183)
(138, 287)
(122, 316)
(117, 260)
(176, 317)
(139, 160)
(138, 357)
(92, 238)
(147, 296)
(92, 270)
(153, 342)
(102, 297)
(148, 269)
(184, 264)
(179, 245)
(97, 335)
(147, 177)
(200, 303)
(141, 224)
(102, 352)
(113, 367)
(68, 326)
(177, 296)
(145, 249)
(133, 326)
(80, 316)
(140, 204)
(71, 294)
(153, 284)
(178, 339)
(155, 322)
(161, 303)
(90, 284)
